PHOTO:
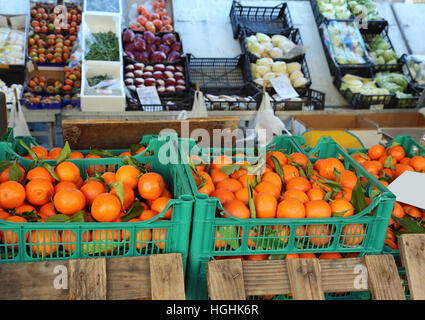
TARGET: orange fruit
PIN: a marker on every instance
(241, 171)
(318, 209)
(330, 255)
(224, 195)
(279, 156)
(40, 173)
(376, 151)
(12, 195)
(54, 153)
(245, 179)
(217, 175)
(316, 194)
(69, 201)
(147, 214)
(25, 208)
(255, 257)
(296, 194)
(128, 175)
(232, 185)
(221, 161)
(384, 157)
(4, 214)
(398, 210)
(4, 176)
(125, 153)
(39, 191)
(109, 177)
(328, 166)
(299, 158)
(47, 210)
(159, 205)
(242, 195)
(268, 187)
(197, 160)
(342, 208)
(361, 159)
(290, 172)
(237, 209)
(128, 196)
(40, 152)
(151, 185)
(397, 153)
(69, 241)
(307, 256)
(265, 206)
(298, 183)
(418, 163)
(318, 234)
(44, 243)
(291, 208)
(414, 212)
(348, 179)
(208, 187)
(405, 160)
(400, 168)
(160, 237)
(166, 194)
(371, 167)
(76, 155)
(106, 207)
(344, 194)
(105, 240)
(91, 190)
(273, 178)
(67, 171)
(318, 182)
(292, 256)
(11, 237)
(65, 185)
(352, 234)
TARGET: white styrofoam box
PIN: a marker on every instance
(97, 22)
(117, 3)
(102, 103)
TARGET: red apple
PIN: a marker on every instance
(180, 88)
(139, 81)
(179, 68)
(170, 82)
(149, 68)
(178, 75)
(139, 66)
(170, 68)
(157, 75)
(180, 82)
(129, 81)
(149, 82)
(160, 83)
(160, 89)
(147, 74)
(129, 75)
(168, 74)
(138, 73)
(159, 67)
(129, 68)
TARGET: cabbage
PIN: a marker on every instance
(276, 53)
(389, 55)
(261, 37)
(255, 48)
(279, 67)
(392, 81)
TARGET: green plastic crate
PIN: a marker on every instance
(206, 225)
(172, 236)
(8, 136)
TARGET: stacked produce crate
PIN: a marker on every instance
(366, 69)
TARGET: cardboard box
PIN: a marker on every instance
(331, 125)
(400, 123)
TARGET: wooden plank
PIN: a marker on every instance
(384, 280)
(31, 281)
(305, 279)
(412, 250)
(225, 280)
(118, 134)
(87, 279)
(167, 277)
(128, 278)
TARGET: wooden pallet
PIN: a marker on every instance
(156, 277)
(309, 279)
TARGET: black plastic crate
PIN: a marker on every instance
(408, 74)
(312, 100)
(177, 103)
(361, 101)
(259, 19)
(407, 103)
(13, 74)
(320, 18)
(218, 73)
(368, 35)
(292, 34)
(335, 67)
(372, 26)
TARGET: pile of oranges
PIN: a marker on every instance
(289, 186)
(42, 195)
(387, 164)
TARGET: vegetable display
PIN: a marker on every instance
(265, 69)
(103, 46)
(146, 20)
(365, 86)
(394, 82)
(264, 46)
(344, 43)
(416, 67)
(380, 51)
(334, 9)
(364, 7)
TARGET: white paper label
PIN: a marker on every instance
(283, 87)
(376, 107)
(409, 188)
(148, 95)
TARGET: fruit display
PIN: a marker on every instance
(51, 48)
(265, 69)
(365, 8)
(148, 47)
(334, 9)
(276, 46)
(72, 83)
(167, 78)
(380, 52)
(154, 20)
(36, 101)
(12, 47)
(43, 20)
(102, 46)
(365, 86)
(344, 43)
(394, 82)
(387, 164)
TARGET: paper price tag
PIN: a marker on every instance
(408, 188)
(148, 95)
(283, 87)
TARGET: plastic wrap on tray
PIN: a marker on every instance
(12, 46)
(416, 67)
(344, 43)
